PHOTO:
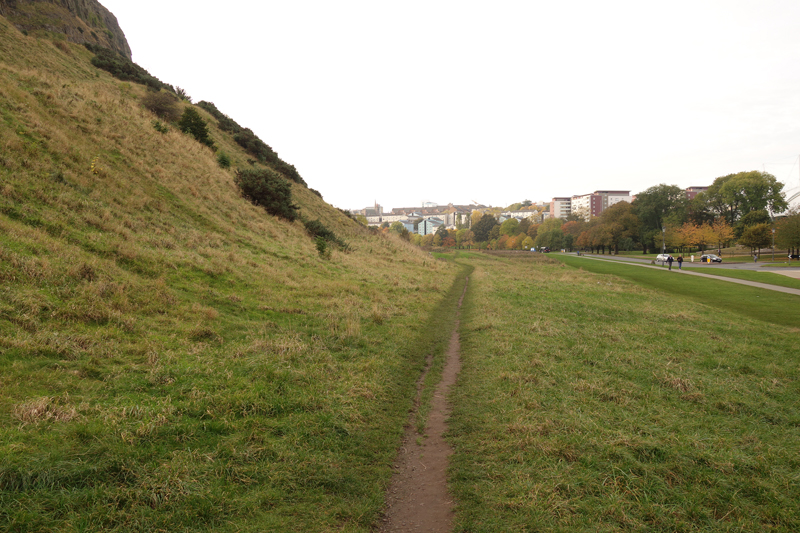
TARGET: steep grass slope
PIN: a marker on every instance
(171, 356)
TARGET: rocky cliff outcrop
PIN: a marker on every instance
(81, 21)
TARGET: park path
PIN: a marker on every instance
(768, 286)
(418, 500)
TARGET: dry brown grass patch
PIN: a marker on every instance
(45, 409)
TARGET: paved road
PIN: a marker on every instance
(760, 267)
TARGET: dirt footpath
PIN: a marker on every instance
(418, 499)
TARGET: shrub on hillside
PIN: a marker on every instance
(192, 123)
(180, 93)
(163, 104)
(266, 189)
(317, 230)
(254, 146)
(224, 122)
(224, 160)
(123, 69)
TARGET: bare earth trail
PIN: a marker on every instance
(418, 499)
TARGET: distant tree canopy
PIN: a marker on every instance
(735, 195)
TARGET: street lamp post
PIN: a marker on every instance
(773, 245)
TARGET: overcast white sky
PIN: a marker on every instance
(493, 102)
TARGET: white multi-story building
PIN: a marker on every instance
(587, 205)
(560, 207)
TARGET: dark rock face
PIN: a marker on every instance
(81, 21)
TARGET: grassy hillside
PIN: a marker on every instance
(171, 356)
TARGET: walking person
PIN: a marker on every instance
(680, 262)
(755, 258)
(669, 260)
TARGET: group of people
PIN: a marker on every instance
(680, 262)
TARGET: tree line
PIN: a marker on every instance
(737, 208)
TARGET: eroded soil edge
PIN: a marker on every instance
(418, 499)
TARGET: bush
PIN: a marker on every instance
(266, 189)
(192, 123)
(254, 146)
(162, 104)
(224, 122)
(122, 68)
(182, 95)
(223, 160)
(159, 127)
(317, 230)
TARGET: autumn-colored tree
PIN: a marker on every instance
(720, 232)
(698, 236)
(501, 243)
(675, 237)
(574, 227)
(515, 242)
(688, 234)
(619, 222)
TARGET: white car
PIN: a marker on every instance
(662, 258)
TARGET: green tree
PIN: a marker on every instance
(735, 195)
(756, 236)
(527, 243)
(482, 227)
(265, 188)
(752, 218)
(551, 238)
(509, 227)
(192, 123)
(656, 207)
(787, 233)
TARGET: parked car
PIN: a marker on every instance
(662, 258)
(545, 249)
(713, 257)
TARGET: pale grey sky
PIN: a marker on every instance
(496, 102)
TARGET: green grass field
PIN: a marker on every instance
(761, 304)
(589, 401)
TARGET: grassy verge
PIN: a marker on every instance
(760, 276)
(753, 302)
(589, 403)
